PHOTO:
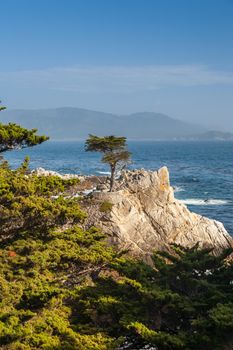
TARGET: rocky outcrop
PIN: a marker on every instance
(85, 185)
(44, 172)
(145, 216)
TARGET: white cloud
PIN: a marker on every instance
(115, 79)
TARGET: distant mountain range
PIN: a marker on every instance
(69, 123)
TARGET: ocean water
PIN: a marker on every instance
(200, 172)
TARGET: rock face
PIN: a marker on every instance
(145, 216)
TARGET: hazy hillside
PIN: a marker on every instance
(214, 135)
(75, 123)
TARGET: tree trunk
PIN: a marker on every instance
(112, 178)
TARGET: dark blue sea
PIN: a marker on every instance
(201, 172)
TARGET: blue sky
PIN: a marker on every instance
(121, 56)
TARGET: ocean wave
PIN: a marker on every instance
(196, 201)
(104, 172)
(189, 179)
(178, 189)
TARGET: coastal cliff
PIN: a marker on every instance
(143, 215)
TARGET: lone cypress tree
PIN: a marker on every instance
(13, 136)
(114, 152)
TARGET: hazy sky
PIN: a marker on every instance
(120, 56)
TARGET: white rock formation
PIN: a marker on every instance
(145, 216)
(44, 172)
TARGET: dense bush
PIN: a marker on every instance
(44, 258)
(31, 205)
(184, 302)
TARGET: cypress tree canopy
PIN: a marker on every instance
(13, 136)
(114, 152)
(105, 143)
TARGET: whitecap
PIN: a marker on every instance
(178, 189)
(196, 201)
(104, 172)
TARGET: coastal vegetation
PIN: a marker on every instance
(63, 287)
(114, 152)
(2, 108)
(13, 136)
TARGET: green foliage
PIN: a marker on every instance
(62, 287)
(2, 107)
(14, 136)
(186, 304)
(29, 205)
(105, 144)
(114, 152)
(120, 158)
(44, 258)
(105, 206)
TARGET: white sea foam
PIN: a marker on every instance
(178, 189)
(196, 201)
(104, 172)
